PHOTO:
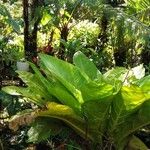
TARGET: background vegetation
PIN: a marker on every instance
(111, 33)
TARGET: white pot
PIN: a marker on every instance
(22, 66)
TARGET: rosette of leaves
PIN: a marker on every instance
(104, 108)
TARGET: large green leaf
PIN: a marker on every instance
(43, 128)
(75, 80)
(35, 90)
(93, 91)
(65, 73)
(26, 92)
(124, 105)
(60, 82)
(87, 66)
(132, 96)
(64, 70)
(58, 90)
(67, 115)
(117, 111)
(96, 115)
(135, 121)
(35, 84)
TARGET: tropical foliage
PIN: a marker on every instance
(99, 107)
(121, 40)
(103, 105)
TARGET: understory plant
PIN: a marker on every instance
(106, 109)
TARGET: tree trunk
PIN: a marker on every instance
(63, 35)
(30, 37)
(26, 27)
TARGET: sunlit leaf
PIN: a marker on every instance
(46, 18)
(87, 66)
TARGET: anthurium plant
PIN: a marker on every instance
(104, 108)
